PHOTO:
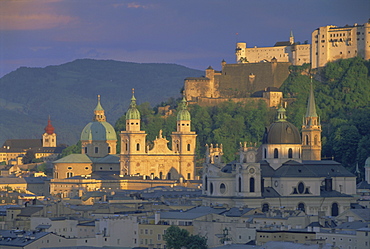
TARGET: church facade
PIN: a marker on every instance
(283, 172)
(137, 166)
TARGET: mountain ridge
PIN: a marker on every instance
(68, 93)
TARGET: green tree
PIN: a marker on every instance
(73, 149)
(30, 155)
(176, 238)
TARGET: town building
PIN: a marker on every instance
(13, 150)
(282, 172)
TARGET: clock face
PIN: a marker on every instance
(251, 170)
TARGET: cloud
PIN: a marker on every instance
(133, 5)
(31, 15)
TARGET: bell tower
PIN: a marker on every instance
(49, 138)
(311, 131)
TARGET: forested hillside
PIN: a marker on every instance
(68, 93)
(342, 92)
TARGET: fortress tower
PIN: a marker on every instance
(49, 138)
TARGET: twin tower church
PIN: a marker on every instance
(136, 158)
(285, 171)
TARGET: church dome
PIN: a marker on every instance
(49, 129)
(132, 112)
(183, 113)
(98, 131)
(281, 131)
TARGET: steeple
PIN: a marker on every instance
(133, 115)
(133, 112)
(99, 114)
(311, 130)
(291, 38)
(183, 113)
(49, 138)
(311, 106)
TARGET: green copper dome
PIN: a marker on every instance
(98, 131)
(183, 113)
(132, 112)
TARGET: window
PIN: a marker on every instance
(189, 176)
(240, 184)
(108, 149)
(334, 209)
(264, 153)
(222, 188)
(188, 147)
(276, 153)
(306, 139)
(138, 147)
(300, 188)
(315, 140)
(290, 153)
(85, 150)
(96, 149)
(251, 184)
(205, 183)
(211, 188)
(69, 174)
(265, 207)
(301, 207)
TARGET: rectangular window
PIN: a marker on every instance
(96, 149)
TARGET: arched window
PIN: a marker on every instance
(301, 207)
(160, 175)
(85, 150)
(222, 188)
(264, 153)
(69, 174)
(96, 149)
(251, 184)
(290, 153)
(169, 176)
(315, 140)
(206, 183)
(306, 140)
(265, 207)
(126, 146)
(177, 147)
(137, 147)
(188, 147)
(108, 149)
(240, 184)
(334, 209)
(276, 153)
(211, 188)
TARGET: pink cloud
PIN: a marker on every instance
(31, 15)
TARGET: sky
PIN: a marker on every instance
(192, 33)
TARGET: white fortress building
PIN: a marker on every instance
(328, 43)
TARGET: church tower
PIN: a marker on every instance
(49, 138)
(311, 131)
(133, 140)
(184, 141)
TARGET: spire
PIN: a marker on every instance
(291, 37)
(311, 106)
(98, 106)
(133, 112)
(99, 114)
(49, 129)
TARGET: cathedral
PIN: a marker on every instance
(99, 167)
(284, 172)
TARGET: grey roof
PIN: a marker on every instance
(363, 185)
(352, 225)
(74, 158)
(312, 169)
(107, 159)
(236, 212)
(270, 192)
(10, 237)
(363, 213)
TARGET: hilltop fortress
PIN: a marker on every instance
(260, 71)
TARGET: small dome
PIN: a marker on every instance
(98, 131)
(183, 113)
(367, 163)
(281, 131)
(49, 129)
(132, 112)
